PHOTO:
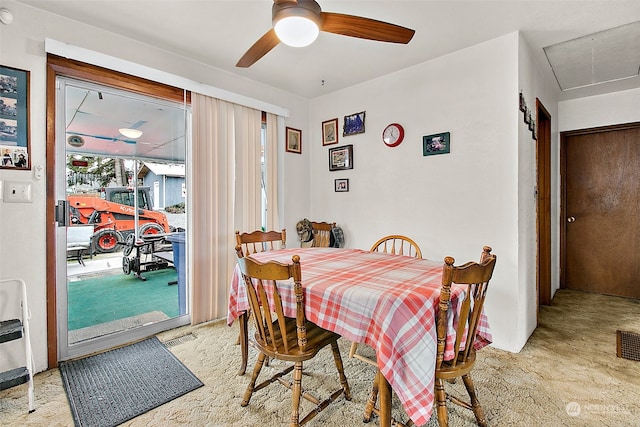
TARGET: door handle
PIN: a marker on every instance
(61, 213)
(571, 219)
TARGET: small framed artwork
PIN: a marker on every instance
(294, 140)
(527, 115)
(14, 118)
(330, 132)
(523, 104)
(341, 185)
(436, 144)
(341, 158)
(353, 124)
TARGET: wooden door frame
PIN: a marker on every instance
(59, 66)
(563, 188)
(543, 205)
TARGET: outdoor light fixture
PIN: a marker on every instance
(297, 24)
(131, 133)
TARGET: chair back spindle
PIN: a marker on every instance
(265, 301)
(260, 241)
(397, 244)
(322, 234)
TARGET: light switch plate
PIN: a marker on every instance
(17, 192)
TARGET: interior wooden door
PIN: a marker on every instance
(543, 215)
(602, 211)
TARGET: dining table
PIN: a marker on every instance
(388, 302)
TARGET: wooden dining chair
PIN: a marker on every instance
(394, 244)
(250, 243)
(322, 234)
(260, 241)
(289, 339)
(397, 244)
(475, 277)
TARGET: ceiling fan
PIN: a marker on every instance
(292, 18)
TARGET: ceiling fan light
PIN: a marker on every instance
(296, 31)
(131, 133)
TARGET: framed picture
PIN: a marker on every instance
(353, 124)
(436, 144)
(341, 185)
(341, 158)
(294, 140)
(330, 132)
(14, 118)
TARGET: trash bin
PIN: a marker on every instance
(177, 244)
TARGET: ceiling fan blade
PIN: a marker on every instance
(259, 49)
(106, 138)
(365, 28)
(137, 124)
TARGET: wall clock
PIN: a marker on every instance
(393, 135)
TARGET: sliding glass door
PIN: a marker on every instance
(122, 229)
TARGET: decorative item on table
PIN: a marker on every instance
(436, 144)
(341, 185)
(330, 132)
(294, 140)
(14, 118)
(341, 158)
(305, 232)
(304, 229)
(353, 124)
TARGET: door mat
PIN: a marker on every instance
(628, 345)
(112, 387)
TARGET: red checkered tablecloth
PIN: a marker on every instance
(388, 302)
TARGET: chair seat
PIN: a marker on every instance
(317, 338)
(447, 371)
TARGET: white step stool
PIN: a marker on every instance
(13, 330)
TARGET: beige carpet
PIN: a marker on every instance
(566, 375)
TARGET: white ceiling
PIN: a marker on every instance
(218, 32)
(95, 114)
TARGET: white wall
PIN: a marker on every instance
(22, 248)
(533, 85)
(451, 204)
(602, 110)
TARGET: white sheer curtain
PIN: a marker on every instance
(271, 173)
(226, 196)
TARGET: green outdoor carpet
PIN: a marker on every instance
(110, 388)
(100, 300)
